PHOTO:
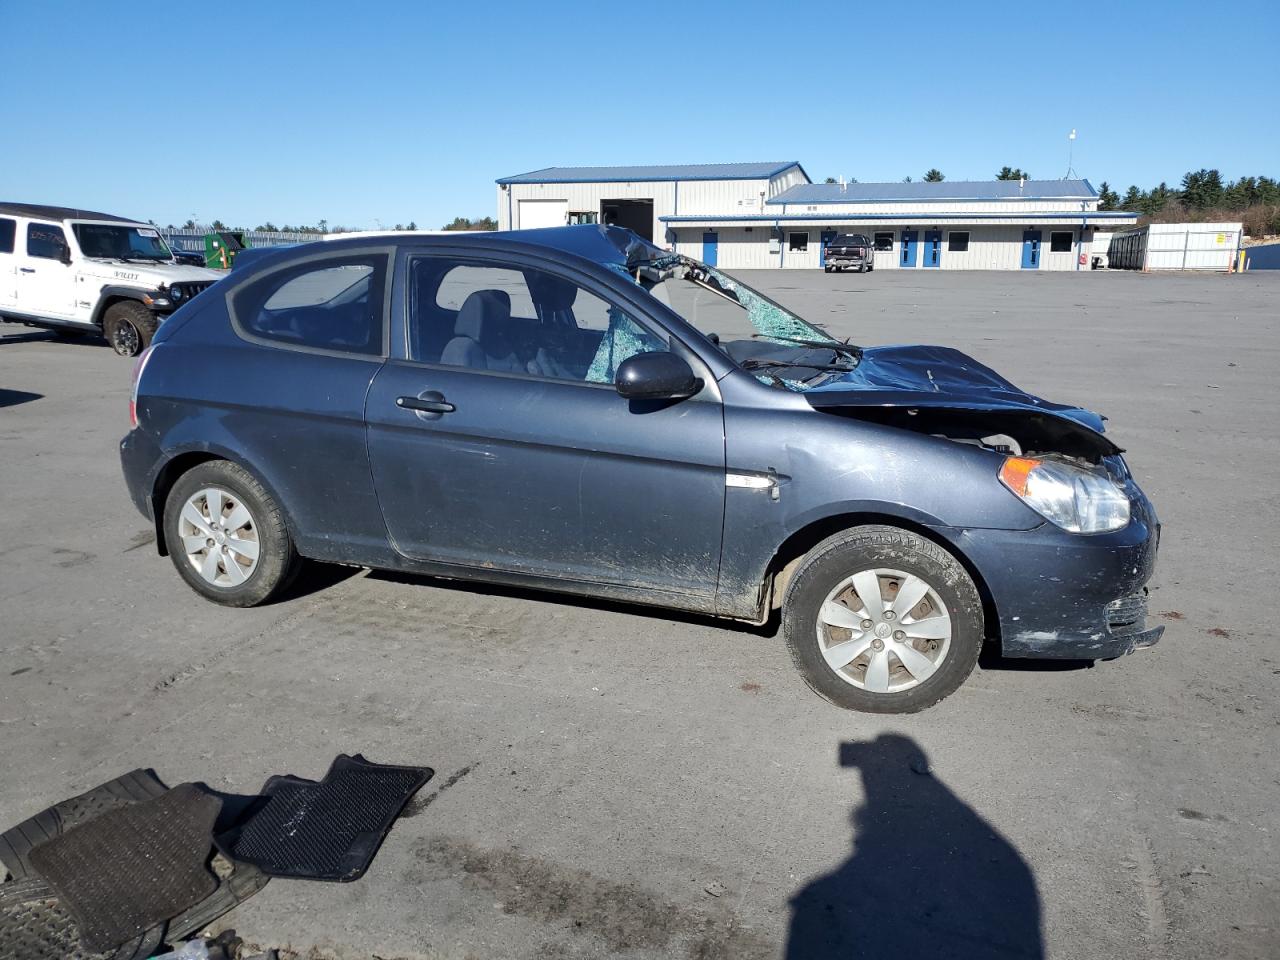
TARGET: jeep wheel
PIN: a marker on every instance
(129, 327)
(882, 620)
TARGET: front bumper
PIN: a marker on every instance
(1059, 595)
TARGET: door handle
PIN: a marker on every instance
(26, 270)
(429, 404)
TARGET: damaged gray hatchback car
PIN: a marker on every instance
(578, 410)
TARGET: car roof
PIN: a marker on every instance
(58, 213)
(600, 244)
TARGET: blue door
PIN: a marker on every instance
(710, 246)
(933, 248)
(827, 237)
(908, 257)
(1030, 249)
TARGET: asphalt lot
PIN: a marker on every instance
(612, 779)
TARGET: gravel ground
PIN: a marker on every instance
(616, 780)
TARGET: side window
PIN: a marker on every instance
(334, 305)
(7, 230)
(45, 240)
(518, 321)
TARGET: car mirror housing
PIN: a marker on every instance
(65, 256)
(656, 376)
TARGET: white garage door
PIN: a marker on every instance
(543, 213)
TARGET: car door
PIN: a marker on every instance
(530, 461)
(46, 284)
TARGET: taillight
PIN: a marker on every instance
(138, 366)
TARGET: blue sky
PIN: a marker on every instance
(373, 112)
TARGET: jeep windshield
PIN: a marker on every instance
(121, 241)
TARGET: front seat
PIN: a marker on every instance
(481, 338)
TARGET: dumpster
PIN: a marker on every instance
(220, 248)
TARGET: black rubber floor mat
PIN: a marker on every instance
(129, 869)
(237, 882)
(328, 830)
(17, 843)
(34, 925)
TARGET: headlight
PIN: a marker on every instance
(175, 293)
(1075, 499)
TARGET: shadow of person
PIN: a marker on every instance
(928, 877)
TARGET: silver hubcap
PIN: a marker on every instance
(220, 537)
(884, 631)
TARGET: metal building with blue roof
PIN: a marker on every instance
(770, 214)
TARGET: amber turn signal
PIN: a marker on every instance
(1015, 472)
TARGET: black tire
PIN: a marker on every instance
(870, 267)
(129, 327)
(277, 560)
(826, 269)
(864, 548)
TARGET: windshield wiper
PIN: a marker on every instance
(761, 363)
(839, 346)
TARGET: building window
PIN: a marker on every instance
(884, 241)
(798, 242)
(1060, 241)
(584, 217)
(958, 241)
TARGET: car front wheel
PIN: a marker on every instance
(226, 535)
(882, 620)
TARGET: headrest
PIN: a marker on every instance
(491, 307)
(551, 294)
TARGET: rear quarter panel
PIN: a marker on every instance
(294, 419)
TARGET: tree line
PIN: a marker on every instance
(322, 227)
(1203, 195)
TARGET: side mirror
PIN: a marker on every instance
(66, 255)
(656, 376)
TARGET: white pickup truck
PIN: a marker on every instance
(77, 272)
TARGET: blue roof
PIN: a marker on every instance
(946, 190)
(686, 171)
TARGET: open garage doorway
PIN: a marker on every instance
(636, 215)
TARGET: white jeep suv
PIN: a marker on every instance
(77, 272)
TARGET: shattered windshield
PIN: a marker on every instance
(761, 336)
(109, 241)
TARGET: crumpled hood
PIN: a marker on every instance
(917, 376)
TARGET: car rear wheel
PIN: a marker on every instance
(882, 620)
(227, 536)
(128, 327)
